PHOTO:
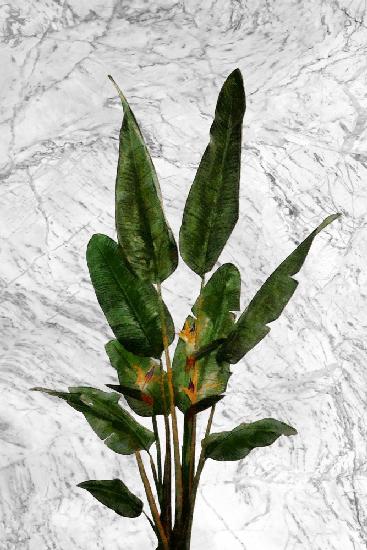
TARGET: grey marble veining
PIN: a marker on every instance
(304, 156)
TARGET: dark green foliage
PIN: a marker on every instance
(124, 273)
(115, 495)
(130, 304)
(211, 210)
(268, 303)
(239, 442)
(116, 427)
(142, 229)
(140, 380)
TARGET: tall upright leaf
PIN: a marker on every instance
(239, 442)
(131, 305)
(142, 229)
(116, 427)
(211, 209)
(268, 303)
(140, 380)
(198, 380)
(114, 494)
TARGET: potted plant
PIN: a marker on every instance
(127, 275)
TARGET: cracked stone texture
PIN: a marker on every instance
(304, 157)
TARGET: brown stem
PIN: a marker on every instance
(166, 509)
(199, 470)
(151, 501)
(176, 444)
(158, 447)
(155, 475)
(193, 427)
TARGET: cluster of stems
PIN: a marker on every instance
(174, 533)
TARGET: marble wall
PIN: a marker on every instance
(304, 157)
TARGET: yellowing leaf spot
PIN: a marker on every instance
(140, 376)
(190, 391)
(188, 333)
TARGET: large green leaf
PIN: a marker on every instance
(239, 442)
(268, 303)
(116, 427)
(140, 380)
(114, 494)
(195, 380)
(211, 209)
(131, 305)
(142, 229)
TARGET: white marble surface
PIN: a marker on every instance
(304, 156)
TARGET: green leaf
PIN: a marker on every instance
(116, 427)
(140, 380)
(204, 404)
(268, 303)
(142, 229)
(197, 375)
(131, 305)
(211, 209)
(114, 494)
(239, 442)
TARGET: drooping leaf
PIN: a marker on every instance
(239, 442)
(131, 305)
(142, 229)
(114, 494)
(268, 303)
(140, 380)
(197, 375)
(115, 426)
(211, 209)
(204, 404)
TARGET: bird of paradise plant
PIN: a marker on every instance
(127, 275)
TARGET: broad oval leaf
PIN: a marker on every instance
(211, 209)
(197, 375)
(142, 229)
(268, 303)
(131, 305)
(140, 378)
(239, 442)
(115, 426)
(114, 494)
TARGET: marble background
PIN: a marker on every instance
(304, 157)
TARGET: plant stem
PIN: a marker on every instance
(192, 420)
(166, 505)
(151, 501)
(158, 446)
(155, 476)
(182, 532)
(199, 470)
(176, 444)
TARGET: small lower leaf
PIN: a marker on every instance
(114, 494)
(239, 442)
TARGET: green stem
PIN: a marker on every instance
(189, 440)
(188, 461)
(158, 447)
(176, 443)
